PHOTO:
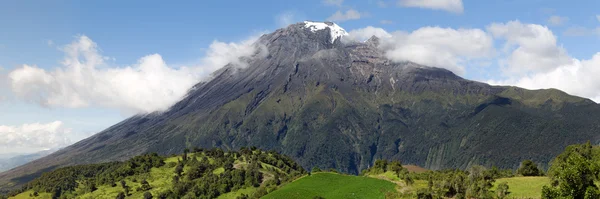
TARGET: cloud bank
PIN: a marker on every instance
(33, 137)
(538, 62)
(85, 78)
(530, 55)
(433, 46)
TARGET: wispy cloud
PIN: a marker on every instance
(350, 14)
(386, 22)
(333, 2)
(580, 31)
(382, 4)
(455, 6)
(556, 20)
(286, 18)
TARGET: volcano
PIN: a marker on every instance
(331, 103)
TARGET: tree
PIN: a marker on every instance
(35, 194)
(147, 195)
(90, 186)
(121, 195)
(396, 167)
(145, 186)
(315, 169)
(123, 184)
(480, 182)
(529, 168)
(573, 173)
(179, 169)
(380, 166)
(56, 193)
(502, 190)
(260, 192)
(185, 152)
(405, 176)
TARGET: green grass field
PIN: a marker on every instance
(524, 187)
(26, 195)
(331, 185)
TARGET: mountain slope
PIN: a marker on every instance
(12, 162)
(331, 104)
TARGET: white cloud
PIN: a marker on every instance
(433, 46)
(386, 22)
(455, 6)
(556, 20)
(365, 33)
(541, 63)
(50, 43)
(577, 78)
(333, 2)
(340, 16)
(86, 79)
(531, 47)
(33, 137)
(598, 18)
(580, 31)
(382, 4)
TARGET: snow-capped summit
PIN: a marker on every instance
(335, 30)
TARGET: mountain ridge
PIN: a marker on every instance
(343, 105)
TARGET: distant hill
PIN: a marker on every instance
(333, 104)
(18, 160)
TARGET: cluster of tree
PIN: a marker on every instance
(200, 180)
(197, 174)
(65, 179)
(573, 173)
(476, 182)
(382, 166)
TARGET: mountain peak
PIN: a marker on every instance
(334, 30)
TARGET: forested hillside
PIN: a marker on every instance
(194, 174)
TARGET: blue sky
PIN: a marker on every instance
(194, 33)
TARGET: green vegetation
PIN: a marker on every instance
(201, 174)
(523, 187)
(529, 168)
(574, 172)
(253, 173)
(333, 185)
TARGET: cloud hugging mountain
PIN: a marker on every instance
(330, 99)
